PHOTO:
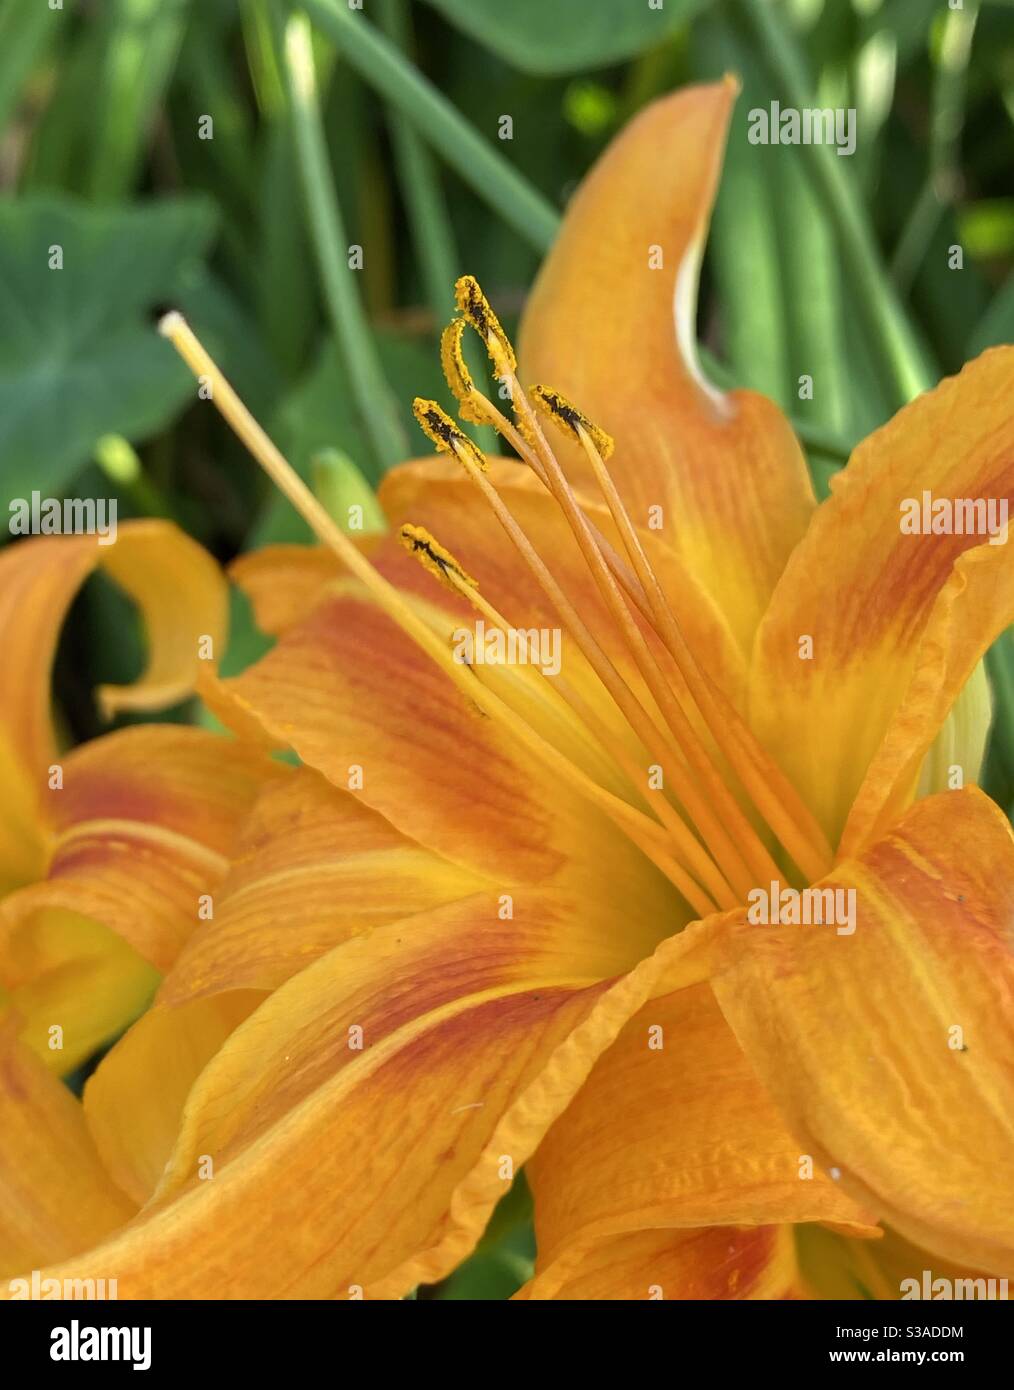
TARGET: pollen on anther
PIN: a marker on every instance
(449, 438)
(475, 307)
(566, 416)
(459, 378)
(434, 557)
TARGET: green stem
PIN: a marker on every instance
(903, 360)
(431, 226)
(339, 486)
(998, 769)
(487, 172)
(208, 77)
(381, 65)
(374, 401)
(25, 32)
(917, 234)
(143, 41)
(119, 462)
(814, 436)
(946, 122)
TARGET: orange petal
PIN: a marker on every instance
(134, 1100)
(436, 494)
(340, 1171)
(611, 323)
(617, 1161)
(284, 582)
(183, 596)
(897, 621)
(969, 613)
(178, 587)
(55, 1197)
(143, 825)
(888, 1050)
(313, 868)
(38, 581)
(716, 1263)
(22, 840)
(73, 984)
(362, 704)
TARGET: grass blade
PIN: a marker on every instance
(436, 250)
(143, 40)
(485, 170)
(373, 398)
(25, 32)
(946, 122)
(904, 360)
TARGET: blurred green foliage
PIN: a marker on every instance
(205, 155)
(77, 355)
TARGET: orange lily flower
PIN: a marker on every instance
(500, 915)
(105, 850)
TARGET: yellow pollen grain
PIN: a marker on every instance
(566, 416)
(449, 438)
(474, 305)
(434, 557)
(459, 378)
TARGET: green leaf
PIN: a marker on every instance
(479, 163)
(25, 33)
(899, 348)
(986, 228)
(998, 768)
(486, 1277)
(375, 403)
(997, 324)
(224, 323)
(554, 36)
(320, 414)
(143, 41)
(79, 357)
(909, 21)
(504, 1258)
(744, 240)
(114, 71)
(343, 492)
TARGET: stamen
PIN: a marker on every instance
(549, 691)
(769, 789)
(474, 307)
(640, 721)
(596, 736)
(755, 863)
(438, 426)
(599, 735)
(640, 829)
(434, 558)
(621, 570)
(459, 378)
(568, 418)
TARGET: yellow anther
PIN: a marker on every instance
(459, 378)
(445, 434)
(475, 307)
(433, 557)
(568, 418)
